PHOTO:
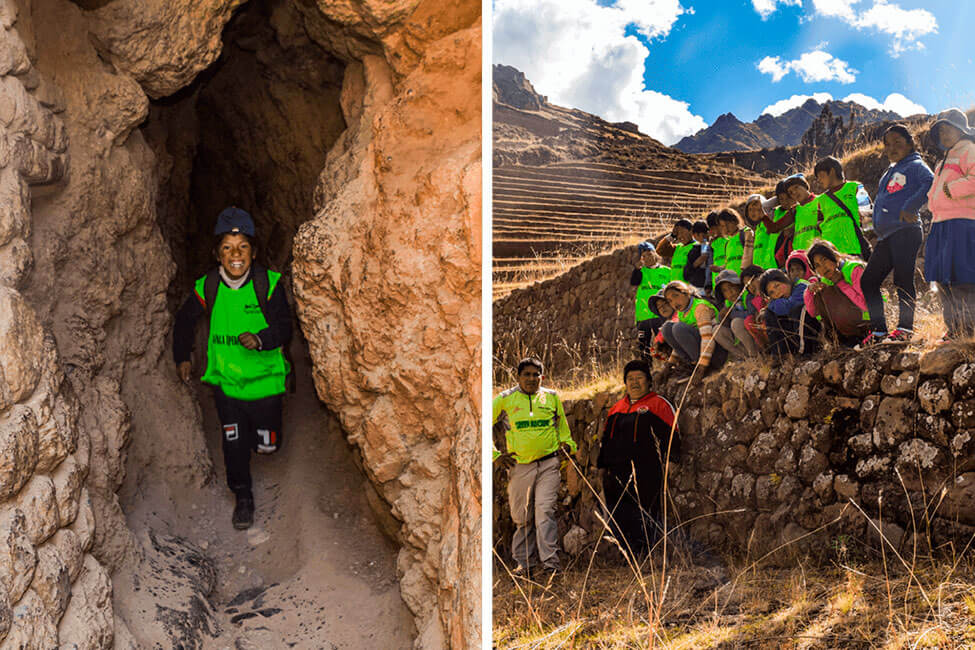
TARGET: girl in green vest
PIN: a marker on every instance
(836, 297)
(648, 278)
(245, 362)
(763, 253)
(741, 240)
(691, 334)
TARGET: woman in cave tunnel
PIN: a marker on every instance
(249, 325)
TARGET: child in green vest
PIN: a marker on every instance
(741, 240)
(802, 216)
(763, 253)
(648, 278)
(836, 297)
(683, 241)
(691, 333)
(732, 335)
(841, 207)
(697, 272)
(245, 362)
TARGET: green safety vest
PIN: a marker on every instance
(847, 268)
(538, 424)
(735, 251)
(765, 243)
(837, 226)
(807, 226)
(719, 246)
(654, 278)
(687, 316)
(241, 373)
(679, 261)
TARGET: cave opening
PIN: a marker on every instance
(253, 131)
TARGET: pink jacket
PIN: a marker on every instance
(851, 291)
(957, 176)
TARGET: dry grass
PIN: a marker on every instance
(846, 602)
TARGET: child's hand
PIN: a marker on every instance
(184, 371)
(249, 340)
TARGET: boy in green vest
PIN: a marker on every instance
(841, 206)
(245, 361)
(683, 242)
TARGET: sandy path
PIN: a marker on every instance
(314, 571)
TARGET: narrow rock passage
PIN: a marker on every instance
(314, 571)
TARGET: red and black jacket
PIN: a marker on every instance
(639, 432)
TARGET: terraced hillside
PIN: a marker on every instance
(568, 184)
(548, 217)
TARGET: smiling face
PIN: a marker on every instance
(649, 258)
(682, 234)
(235, 254)
(826, 268)
(785, 200)
(777, 289)
(754, 212)
(529, 379)
(678, 300)
(798, 193)
(895, 147)
(637, 384)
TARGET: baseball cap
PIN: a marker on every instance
(233, 219)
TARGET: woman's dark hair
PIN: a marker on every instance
(712, 219)
(683, 223)
(823, 249)
(730, 215)
(781, 188)
(772, 275)
(750, 272)
(530, 361)
(902, 131)
(829, 164)
(699, 226)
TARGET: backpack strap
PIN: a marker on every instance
(210, 287)
(261, 286)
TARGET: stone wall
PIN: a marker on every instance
(581, 320)
(773, 452)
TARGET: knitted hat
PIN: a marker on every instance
(636, 364)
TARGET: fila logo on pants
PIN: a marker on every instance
(230, 432)
(267, 441)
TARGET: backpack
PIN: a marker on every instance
(211, 285)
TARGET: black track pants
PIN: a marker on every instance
(898, 252)
(247, 426)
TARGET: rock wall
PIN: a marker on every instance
(771, 453)
(575, 323)
(388, 286)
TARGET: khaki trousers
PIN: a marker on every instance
(533, 490)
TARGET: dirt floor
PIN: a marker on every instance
(314, 571)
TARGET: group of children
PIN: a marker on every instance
(771, 279)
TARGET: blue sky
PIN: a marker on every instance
(673, 66)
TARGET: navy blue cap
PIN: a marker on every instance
(233, 219)
(646, 246)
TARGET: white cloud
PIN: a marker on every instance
(895, 102)
(784, 105)
(813, 67)
(577, 53)
(836, 8)
(766, 8)
(906, 26)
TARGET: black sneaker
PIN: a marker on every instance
(244, 512)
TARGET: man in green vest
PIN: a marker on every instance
(245, 361)
(532, 420)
